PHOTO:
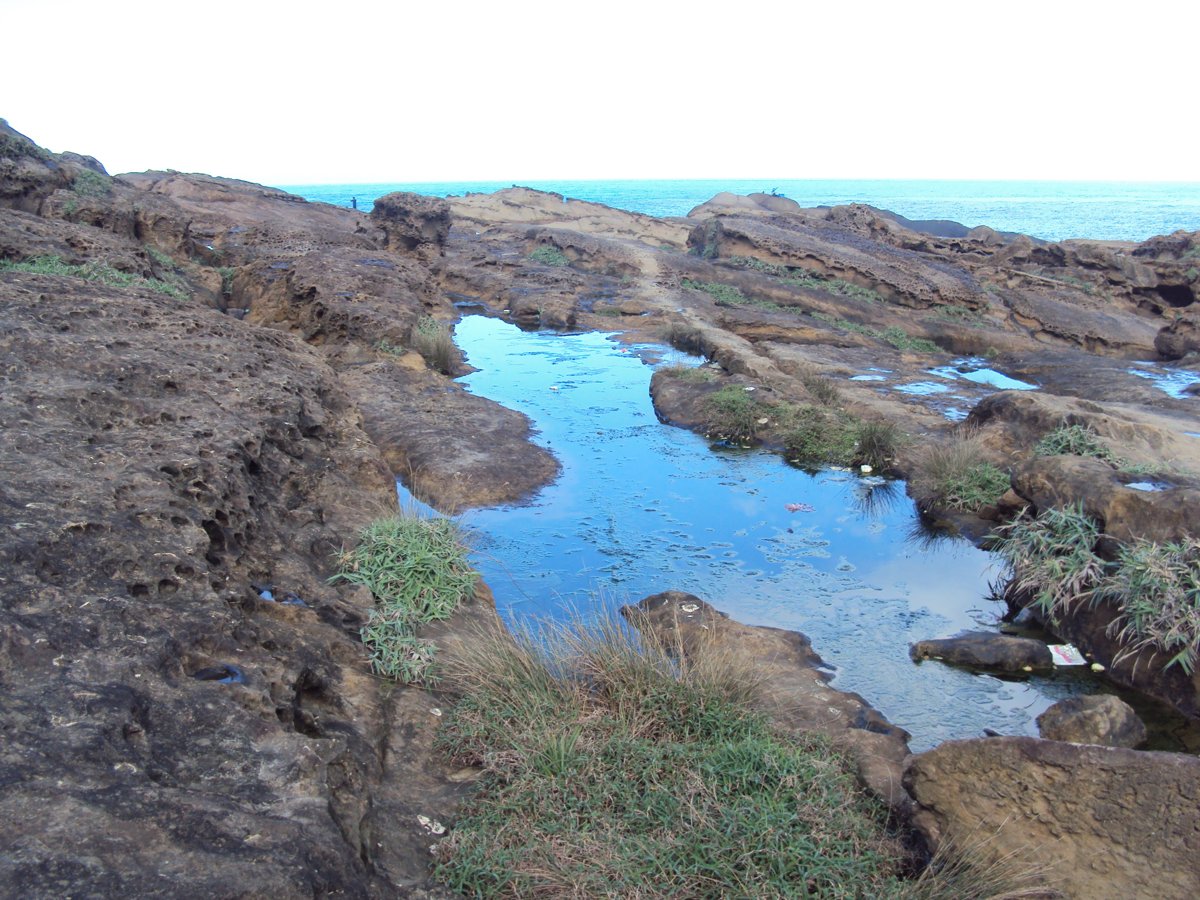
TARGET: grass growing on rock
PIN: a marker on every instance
(1073, 440)
(432, 339)
(92, 271)
(549, 255)
(805, 279)
(733, 414)
(1154, 587)
(616, 769)
(954, 475)
(416, 568)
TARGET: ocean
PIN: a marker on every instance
(1052, 210)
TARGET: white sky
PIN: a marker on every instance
(353, 91)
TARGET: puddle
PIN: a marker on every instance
(923, 388)
(1149, 486)
(641, 507)
(868, 378)
(975, 369)
(1172, 382)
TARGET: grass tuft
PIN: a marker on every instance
(614, 768)
(954, 475)
(417, 570)
(432, 339)
(733, 414)
(93, 270)
(549, 255)
(1073, 440)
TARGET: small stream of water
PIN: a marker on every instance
(643, 507)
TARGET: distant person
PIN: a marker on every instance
(354, 203)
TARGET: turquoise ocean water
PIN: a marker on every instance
(1052, 210)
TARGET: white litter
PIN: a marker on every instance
(1066, 655)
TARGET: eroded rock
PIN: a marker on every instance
(1095, 719)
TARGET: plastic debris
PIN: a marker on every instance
(689, 607)
(798, 507)
(554, 387)
(763, 421)
(865, 469)
(1066, 655)
(431, 825)
(1097, 667)
(436, 711)
(748, 388)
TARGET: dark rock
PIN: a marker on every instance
(986, 650)
(1096, 719)
(1104, 821)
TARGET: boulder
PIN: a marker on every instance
(986, 650)
(1103, 821)
(1178, 339)
(413, 222)
(1096, 719)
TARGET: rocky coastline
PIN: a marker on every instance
(211, 386)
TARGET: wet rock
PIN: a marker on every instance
(1104, 821)
(1095, 719)
(795, 691)
(985, 650)
(1178, 339)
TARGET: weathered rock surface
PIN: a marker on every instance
(1104, 821)
(985, 650)
(796, 693)
(1095, 719)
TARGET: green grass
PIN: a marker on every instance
(432, 339)
(93, 271)
(804, 279)
(14, 147)
(954, 475)
(91, 184)
(724, 294)
(691, 374)
(897, 337)
(820, 388)
(815, 437)
(733, 414)
(616, 769)
(878, 443)
(416, 568)
(549, 255)
(1154, 587)
(1073, 440)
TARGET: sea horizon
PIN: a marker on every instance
(1046, 209)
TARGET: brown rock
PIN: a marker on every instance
(986, 650)
(1095, 719)
(1106, 822)
(413, 223)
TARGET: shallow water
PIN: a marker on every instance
(1172, 382)
(642, 507)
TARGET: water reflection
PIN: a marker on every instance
(641, 507)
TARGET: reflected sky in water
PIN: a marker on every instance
(642, 507)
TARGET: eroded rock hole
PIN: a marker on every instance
(1176, 295)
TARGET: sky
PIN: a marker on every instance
(349, 91)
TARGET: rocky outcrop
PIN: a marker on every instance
(1095, 719)
(795, 689)
(412, 223)
(1081, 812)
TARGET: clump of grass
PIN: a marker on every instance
(816, 437)
(227, 273)
(432, 339)
(691, 374)
(1157, 588)
(91, 184)
(954, 475)
(802, 278)
(614, 768)
(897, 337)
(724, 294)
(1154, 587)
(1052, 557)
(685, 337)
(417, 570)
(878, 443)
(1073, 440)
(822, 389)
(733, 414)
(549, 255)
(93, 270)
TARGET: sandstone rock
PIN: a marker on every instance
(1106, 822)
(1178, 339)
(413, 223)
(795, 691)
(1095, 719)
(986, 650)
